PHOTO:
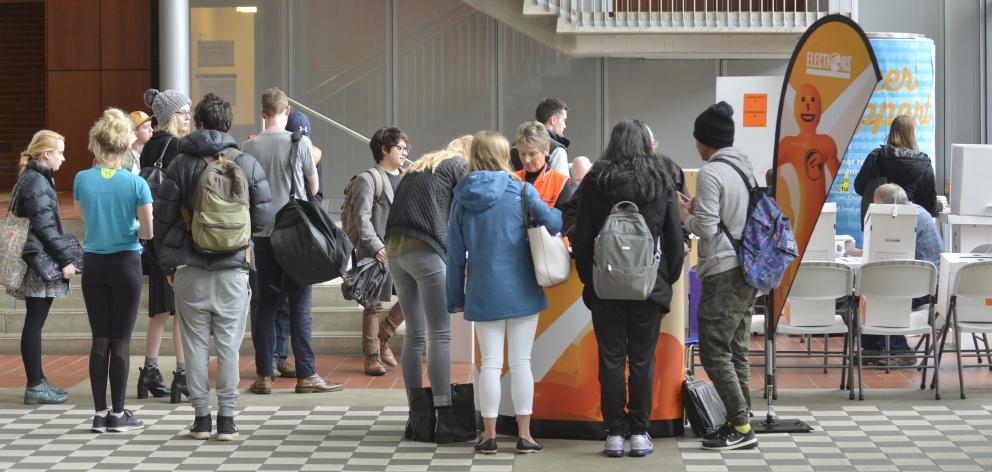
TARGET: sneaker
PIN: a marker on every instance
(58, 390)
(43, 394)
(613, 446)
(226, 431)
(99, 424)
(730, 439)
(201, 427)
(286, 370)
(486, 446)
(262, 385)
(526, 446)
(316, 384)
(125, 422)
(640, 445)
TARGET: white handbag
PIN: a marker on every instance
(552, 262)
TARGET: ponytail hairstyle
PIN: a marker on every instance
(44, 140)
(110, 137)
(490, 151)
(630, 149)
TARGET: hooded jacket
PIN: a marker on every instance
(36, 201)
(908, 168)
(487, 223)
(173, 241)
(596, 196)
(720, 196)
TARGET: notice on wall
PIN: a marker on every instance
(222, 85)
(755, 110)
(215, 53)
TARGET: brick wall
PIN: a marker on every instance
(22, 82)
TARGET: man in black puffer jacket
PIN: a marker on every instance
(211, 289)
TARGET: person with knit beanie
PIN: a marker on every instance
(171, 116)
(724, 311)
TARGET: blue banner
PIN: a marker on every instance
(907, 88)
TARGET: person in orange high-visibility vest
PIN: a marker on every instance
(533, 144)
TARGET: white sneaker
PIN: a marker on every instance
(640, 445)
(614, 446)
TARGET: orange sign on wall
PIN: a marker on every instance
(755, 110)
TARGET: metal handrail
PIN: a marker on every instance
(318, 115)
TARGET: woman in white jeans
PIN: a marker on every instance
(500, 294)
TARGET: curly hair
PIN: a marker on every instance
(213, 113)
(386, 138)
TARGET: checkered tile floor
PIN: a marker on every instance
(323, 438)
(863, 438)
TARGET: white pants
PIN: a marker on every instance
(519, 333)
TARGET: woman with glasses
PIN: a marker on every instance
(171, 114)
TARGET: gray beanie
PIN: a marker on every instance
(164, 104)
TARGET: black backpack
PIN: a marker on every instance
(306, 243)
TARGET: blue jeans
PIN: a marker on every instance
(281, 351)
(275, 288)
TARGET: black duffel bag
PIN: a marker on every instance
(306, 243)
(363, 282)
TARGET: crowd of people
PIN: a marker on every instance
(450, 229)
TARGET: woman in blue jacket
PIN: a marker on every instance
(500, 294)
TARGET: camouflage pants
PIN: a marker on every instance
(724, 327)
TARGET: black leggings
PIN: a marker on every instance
(112, 292)
(34, 321)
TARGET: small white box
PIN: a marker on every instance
(821, 242)
(890, 232)
(885, 312)
(971, 172)
(808, 313)
(969, 309)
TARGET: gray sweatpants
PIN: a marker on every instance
(419, 278)
(212, 302)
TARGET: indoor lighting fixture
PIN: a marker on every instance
(246, 9)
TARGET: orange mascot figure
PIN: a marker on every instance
(807, 164)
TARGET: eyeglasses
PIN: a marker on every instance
(185, 113)
(405, 149)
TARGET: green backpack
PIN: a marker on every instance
(625, 256)
(220, 221)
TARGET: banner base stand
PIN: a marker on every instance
(779, 425)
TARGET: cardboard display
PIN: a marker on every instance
(890, 232)
(821, 245)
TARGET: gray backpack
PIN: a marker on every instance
(625, 256)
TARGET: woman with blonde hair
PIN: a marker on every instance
(416, 241)
(34, 198)
(171, 113)
(142, 133)
(110, 200)
(500, 294)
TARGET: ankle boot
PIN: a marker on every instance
(179, 387)
(421, 422)
(448, 430)
(150, 381)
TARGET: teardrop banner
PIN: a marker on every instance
(830, 79)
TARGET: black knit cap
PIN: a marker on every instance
(715, 126)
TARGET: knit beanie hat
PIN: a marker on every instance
(298, 122)
(164, 104)
(715, 126)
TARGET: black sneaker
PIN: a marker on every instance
(226, 431)
(201, 427)
(99, 424)
(125, 422)
(528, 447)
(729, 439)
(486, 446)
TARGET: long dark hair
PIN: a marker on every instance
(630, 151)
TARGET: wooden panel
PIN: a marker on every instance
(125, 34)
(124, 89)
(72, 34)
(73, 106)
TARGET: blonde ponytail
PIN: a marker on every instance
(44, 140)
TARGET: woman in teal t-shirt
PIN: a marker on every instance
(116, 207)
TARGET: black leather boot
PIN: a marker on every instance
(448, 430)
(179, 387)
(150, 381)
(421, 422)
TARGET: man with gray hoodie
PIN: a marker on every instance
(725, 304)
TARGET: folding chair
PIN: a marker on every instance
(886, 290)
(973, 281)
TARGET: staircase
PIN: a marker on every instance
(666, 29)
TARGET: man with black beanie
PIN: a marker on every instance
(724, 312)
